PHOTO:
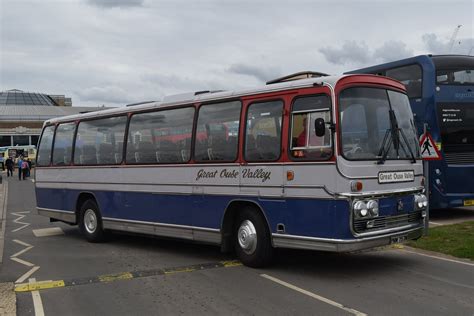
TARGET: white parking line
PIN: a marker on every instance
(22, 243)
(313, 295)
(20, 216)
(26, 263)
(21, 251)
(27, 274)
(37, 302)
(436, 224)
(46, 232)
(439, 258)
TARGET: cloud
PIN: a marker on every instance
(392, 50)
(263, 74)
(436, 45)
(360, 54)
(148, 49)
(351, 52)
(107, 94)
(116, 3)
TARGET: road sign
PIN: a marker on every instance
(429, 150)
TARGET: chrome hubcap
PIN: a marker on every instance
(247, 236)
(90, 221)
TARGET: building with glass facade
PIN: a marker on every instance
(22, 115)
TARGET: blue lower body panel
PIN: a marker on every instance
(301, 217)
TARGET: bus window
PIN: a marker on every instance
(455, 76)
(263, 131)
(305, 144)
(410, 76)
(62, 149)
(160, 137)
(98, 142)
(220, 124)
(46, 142)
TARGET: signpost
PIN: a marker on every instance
(429, 151)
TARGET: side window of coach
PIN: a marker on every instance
(62, 149)
(45, 146)
(100, 142)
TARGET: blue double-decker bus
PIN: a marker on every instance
(441, 93)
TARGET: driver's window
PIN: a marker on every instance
(305, 144)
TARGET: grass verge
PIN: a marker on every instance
(456, 240)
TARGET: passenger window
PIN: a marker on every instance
(305, 144)
(263, 131)
(160, 137)
(217, 132)
(45, 146)
(62, 152)
(100, 142)
(410, 76)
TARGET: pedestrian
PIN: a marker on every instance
(9, 164)
(28, 161)
(25, 168)
(19, 163)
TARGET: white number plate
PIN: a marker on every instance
(396, 176)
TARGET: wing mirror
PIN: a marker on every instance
(319, 127)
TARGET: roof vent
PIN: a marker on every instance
(298, 76)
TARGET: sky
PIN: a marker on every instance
(115, 52)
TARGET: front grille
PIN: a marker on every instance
(386, 222)
(462, 158)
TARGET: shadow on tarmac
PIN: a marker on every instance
(321, 264)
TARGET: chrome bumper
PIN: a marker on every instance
(342, 245)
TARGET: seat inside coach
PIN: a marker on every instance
(88, 155)
(105, 154)
(168, 152)
(118, 152)
(145, 152)
(59, 156)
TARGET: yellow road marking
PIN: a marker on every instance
(233, 263)
(43, 285)
(398, 246)
(179, 270)
(115, 277)
(34, 286)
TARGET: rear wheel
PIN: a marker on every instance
(91, 221)
(252, 239)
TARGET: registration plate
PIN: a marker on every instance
(468, 202)
(398, 239)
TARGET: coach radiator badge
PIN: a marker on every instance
(399, 205)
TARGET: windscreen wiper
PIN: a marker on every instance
(394, 131)
(394, 138)
(383, 152)
(405, 139)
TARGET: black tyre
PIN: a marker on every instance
(90, 222)
(252, 239)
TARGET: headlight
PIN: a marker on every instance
(373, 207)
(360, 209)
(421, 201)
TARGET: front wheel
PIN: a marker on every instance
(91, 222)
(252, 239)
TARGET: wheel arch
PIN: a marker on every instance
(230, 216)
(81, 198)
